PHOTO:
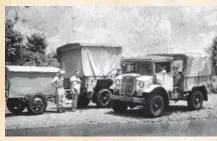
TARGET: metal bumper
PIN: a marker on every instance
(128, 99)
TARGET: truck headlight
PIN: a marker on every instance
(117, 82)
(141, 84)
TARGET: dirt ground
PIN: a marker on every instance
(177, 112)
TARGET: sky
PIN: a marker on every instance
(138, 30)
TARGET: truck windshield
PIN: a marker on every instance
(137, 67)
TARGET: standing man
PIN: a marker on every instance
(58, 83)
(75, 86)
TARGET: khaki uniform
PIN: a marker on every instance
(59, 91)
(75, 90)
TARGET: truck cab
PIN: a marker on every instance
(153, 81)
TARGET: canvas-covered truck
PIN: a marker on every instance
(155, 80)
(29, 87)
(97, 65)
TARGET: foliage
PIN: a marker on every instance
(213, 51)
(33, 53)
(13, 44)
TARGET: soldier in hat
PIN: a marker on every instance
(58, 83)
(75, 86)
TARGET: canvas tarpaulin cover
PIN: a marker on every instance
(90, 60)
(198, 65)
(71, 62)
(194, 64)
(100, 61)
(197, 70)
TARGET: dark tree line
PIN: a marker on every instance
(212, 50)
(31, 53)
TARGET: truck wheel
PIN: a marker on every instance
(195, 100)
(155, 105)
(16, 106)
(37, 104)
(83, 101)
(119, 106)
(103, 98)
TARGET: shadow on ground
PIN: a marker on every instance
(50, 110)
(141, 113)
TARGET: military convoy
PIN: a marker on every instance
(152, 81)
(155, 80)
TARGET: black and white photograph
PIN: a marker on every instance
(110, 71)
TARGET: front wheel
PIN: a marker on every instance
(103, 98)
(195, 100)
(16, 106)
(119, 106)
(37, 104)
(155, 105)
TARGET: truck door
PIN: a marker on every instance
(164, 75)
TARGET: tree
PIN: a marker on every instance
(35, 55)
(13, 44)
(212, 50)
(51, 60)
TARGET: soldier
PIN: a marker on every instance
(75, 86)
(58, 83)
(118, 72)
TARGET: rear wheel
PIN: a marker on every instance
(119, 106)
(16, 106)
(83, 101)
(155, 105)
(195, 100)
(103, 98)
(37, 104)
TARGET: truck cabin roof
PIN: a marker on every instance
(153, 58)
(74, 46)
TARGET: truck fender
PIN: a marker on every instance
(112, 87)
(150, 88)
(160, 90)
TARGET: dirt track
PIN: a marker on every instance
(94, 116)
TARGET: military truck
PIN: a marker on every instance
(155, 80)
(97, 64)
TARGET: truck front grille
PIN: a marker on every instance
(127, 85)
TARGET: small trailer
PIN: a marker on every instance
(29, 87)
(97, 64)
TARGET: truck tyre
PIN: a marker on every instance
(119, 106)
(37, 104)
(103, 98)
(16, 106)
(195, 100)
(83, 101)
(155, 105)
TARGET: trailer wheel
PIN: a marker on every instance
(83, 101)
(195, 100)
(37, 104)
(155, 105)
(103, 98)
(16, 106)
(119, 106)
